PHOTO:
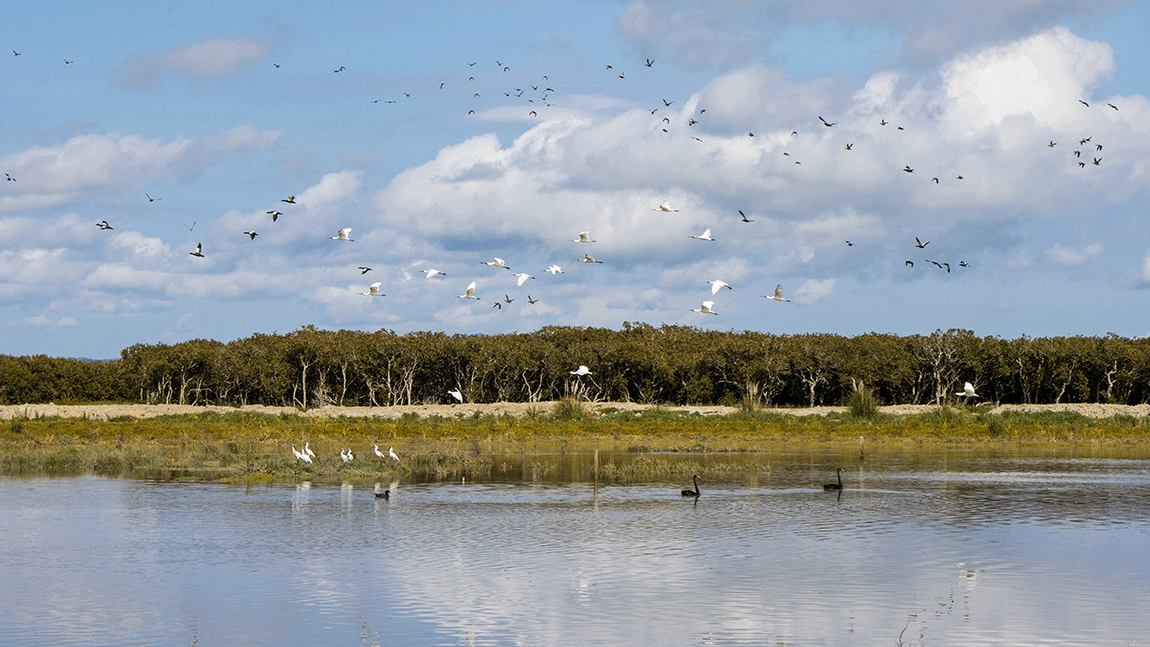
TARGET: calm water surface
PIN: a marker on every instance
(938, 548)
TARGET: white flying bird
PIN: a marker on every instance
(706, 308)
(587, 259)
(432, 272)
(582, 370)
(706, 236)
(717, 285)
(778, 295)
(373, 291)
(457, 394)
(665, 208)
(583, 238)
(199, 250)
(498, 262)
(523, 276)
(343, 235)
(470, 294)
(554, 269)
(968, 391)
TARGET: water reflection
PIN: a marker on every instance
(952, 549)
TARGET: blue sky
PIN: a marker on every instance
(185, 103)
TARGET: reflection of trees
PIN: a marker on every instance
(310, 367)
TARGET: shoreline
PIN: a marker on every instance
(516, 409)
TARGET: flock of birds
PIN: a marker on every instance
(539, 98)
(346, 455)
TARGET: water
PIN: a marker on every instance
(935, 548)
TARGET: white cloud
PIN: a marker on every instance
(200, 62)
(1069, 256)
(814, 291)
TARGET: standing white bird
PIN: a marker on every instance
(391, 453)
(665, 208)
(343, 455)
(583, 237)
(717, 285)
(457, 394)
(778, 295)
(706, 308)
(343, 234)
(706, 236)
(307, 449)
(587, 259)
(470, 294)
(373, 290)
(582, 370)
(433, 272)
(498, 262)
(523, 276)
(554, 269)
(299, 456)
(350, 456)
(968, 392)
(377, 452)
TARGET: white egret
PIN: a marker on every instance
(307, 449)
(587, 259)
(343, 234)
(523, 276)
(583, 237)
(391, 453)
(433, 272)
(706, 236)
(470, 294)
(350, 456)
(778, 295)
(343, 455)
(582, 370)
(554, 269)
(377, 452)
(457, 394)
(665, 208)
(299, 456)
(717, 285)
(968, 392)
(498, 262)
(706, 308)
(373, 290)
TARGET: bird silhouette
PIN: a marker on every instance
(744, 216)
(919, 244)
(251, 234)
(826, 123)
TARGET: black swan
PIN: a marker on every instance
(694, 492)
(836, 486)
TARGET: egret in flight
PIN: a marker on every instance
(717, 285)
(343, 234)
(373, 290)
(470, 294)
(582, 370)
(706, 308)
(778, 295)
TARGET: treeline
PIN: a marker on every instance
(669, 364)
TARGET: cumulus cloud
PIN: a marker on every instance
(814, 291)
(1070, 256)
(200, 62)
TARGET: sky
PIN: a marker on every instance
(448, 134)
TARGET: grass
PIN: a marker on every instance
(241, 445)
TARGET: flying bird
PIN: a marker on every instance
(498, 262)
(910, 262)
(457, 394)
(373, 290)
(825, 123)
(744, 216)
(1098, 147)
(706, 236)
(968, 391)
(363, 269)
(717, 285)
(850, 244)
(587, 259)
(103, 224)
(1052, 144)
(1097, 160)
(963, 264)
(523, 276)
(433, 272)
(934, 179)
(9, 178)
(1084, 103)
(555, 269)
(470, 293)
(290, 199)
(849, 146)
(251, 234)
(341, 68)
(274, 214)
(883, 122)
(199, 249)
(193, 227)
(583, 237)
(919, 244)
(665, 208)
(497, 305)
(650, 63)
(1083, 141)
(582, 370)
(1112, 106)
(1078, 153)
(150, 198)
(706, 308)
(667, 104)
(507, 299)
(907, 169)
(343, 234)
(532, 301)
(778, 295)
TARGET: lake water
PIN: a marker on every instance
(927, 547)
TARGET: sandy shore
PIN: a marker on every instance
(105, 412)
